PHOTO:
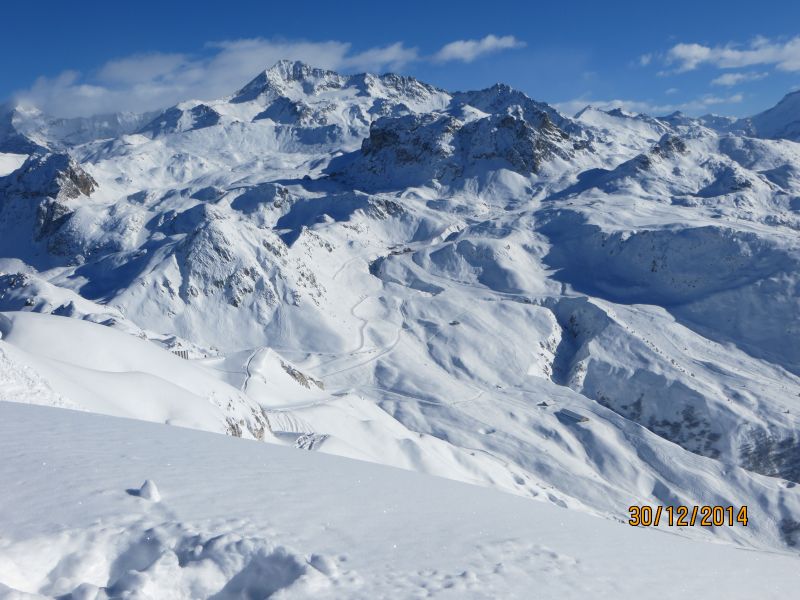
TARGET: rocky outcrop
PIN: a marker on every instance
(414, 149)
(275, 80)
(55, 176)
(181, 118)
(45, 187)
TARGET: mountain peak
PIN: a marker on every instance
(780, 121)
(620, 112)
(295, 70)
(285, 73)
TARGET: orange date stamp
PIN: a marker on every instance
(687, 516)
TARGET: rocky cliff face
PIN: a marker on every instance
(46, 185)
(56, 176)
(415, 149)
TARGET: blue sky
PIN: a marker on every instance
(733, 58)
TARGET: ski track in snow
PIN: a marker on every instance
(247, 373)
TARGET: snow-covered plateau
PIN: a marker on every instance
(590, 312)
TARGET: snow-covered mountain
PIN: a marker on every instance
(374, 267)
(26, 128)
(780, 121)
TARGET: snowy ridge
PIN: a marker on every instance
(136, 379)
(780, 121)
(374, 267)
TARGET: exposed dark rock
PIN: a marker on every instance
(49, 175)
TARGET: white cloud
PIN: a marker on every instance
(469, 50)
(645, 59)
(711, 100)
(143, 82)
(151, 81)
(672, 90)
(760, 51)
(703, 103)
(730, 79)
(140, 67)
(688, 55)
(395, 56)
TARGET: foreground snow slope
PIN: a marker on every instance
(239, 519)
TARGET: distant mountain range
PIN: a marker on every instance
(376, 267)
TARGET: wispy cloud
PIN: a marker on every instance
(703, 103)
(138, 67)
(469, 50)
(393, 57)
(150, 81)
(731, 79)
(784, 55)
(143, 82)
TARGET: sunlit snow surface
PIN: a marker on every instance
(375, 268)
(10, 162)
(238, 519)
